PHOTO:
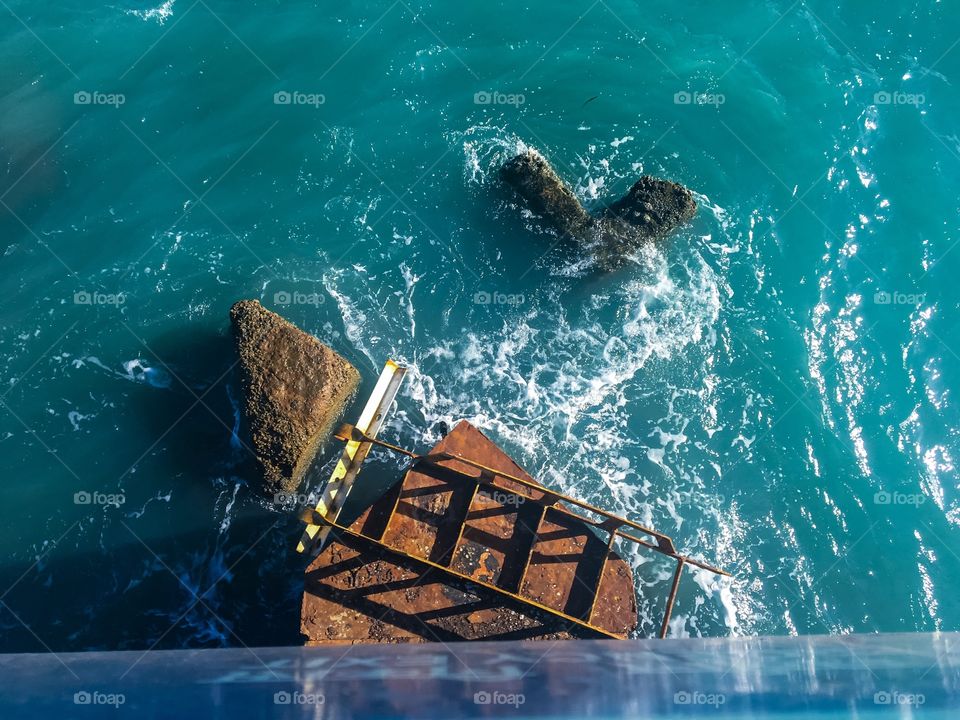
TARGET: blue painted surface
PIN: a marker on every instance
(885, 676)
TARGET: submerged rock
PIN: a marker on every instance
(656, 205)
(294, 389)
(536, 182)
(651, 209)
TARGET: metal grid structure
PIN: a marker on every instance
(324, 518)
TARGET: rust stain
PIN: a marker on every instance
(354, 592)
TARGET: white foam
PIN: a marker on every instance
(138, 371)
(161, 13)
(485, 148)
(556, 380)
(133, 370)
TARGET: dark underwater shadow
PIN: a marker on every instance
(523, 243)
(169, 592)
(131, 583)
(195, 416)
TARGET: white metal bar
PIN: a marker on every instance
(345, 473)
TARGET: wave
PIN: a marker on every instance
(559, 376)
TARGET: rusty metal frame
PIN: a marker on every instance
(549, 501)
(446, 570)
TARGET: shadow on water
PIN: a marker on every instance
(197, 415)
(499, 216)
(195, 559)
(160, 592)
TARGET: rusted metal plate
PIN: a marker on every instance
(357, 592)
(565, 572)
(354, 594)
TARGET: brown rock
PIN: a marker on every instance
(536, 182)
(294, 390)
(651, 209)
(656, 205)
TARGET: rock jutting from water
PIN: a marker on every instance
(295, 389)
(536, 182)
(650, 210)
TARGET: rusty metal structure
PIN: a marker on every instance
(543, 507)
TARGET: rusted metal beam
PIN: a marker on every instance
(603, 566)
(463, 524)
(393, 510)
(672, 598)
(533, 545)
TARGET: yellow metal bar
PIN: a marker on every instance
(345, 473)
(677, 556)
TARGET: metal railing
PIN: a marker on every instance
(548, 500)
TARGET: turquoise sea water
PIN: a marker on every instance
(774, 386)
